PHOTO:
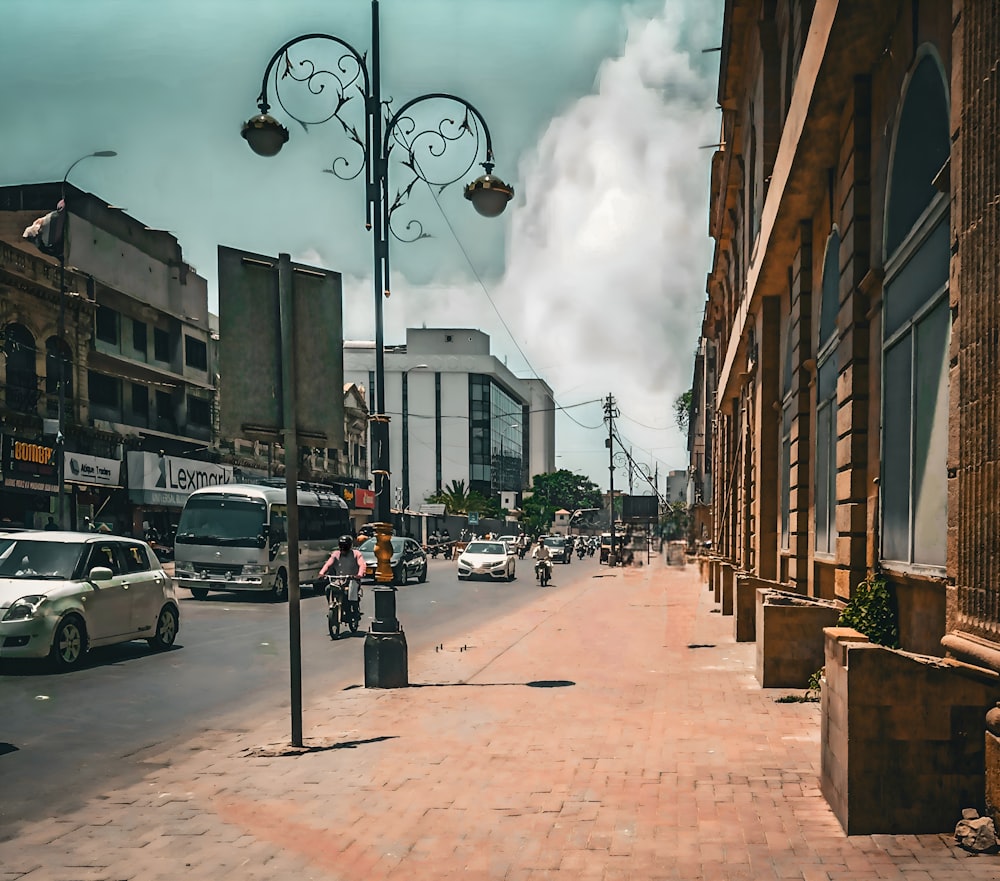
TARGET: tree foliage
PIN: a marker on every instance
(682, 411)
(555, 490)
(458, 499)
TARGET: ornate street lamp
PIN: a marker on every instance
(336, 88)
(65, 365)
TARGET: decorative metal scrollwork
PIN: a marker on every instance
(423, 136)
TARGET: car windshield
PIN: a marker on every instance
(485, 547)
(369, 546)
(220, 520)
(554, 542)
(39, 559)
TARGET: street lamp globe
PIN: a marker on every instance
(265, 135)
(488, 194)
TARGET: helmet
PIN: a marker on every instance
(345, 543)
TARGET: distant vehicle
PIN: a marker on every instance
(408, 560)
(487, 559)
(235, 537)
(560, 550)
(510, 541)
(605, 547)
(64, 593)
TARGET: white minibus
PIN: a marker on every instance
(234, 537)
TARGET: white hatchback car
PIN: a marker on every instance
(63, 593)
(490, 559)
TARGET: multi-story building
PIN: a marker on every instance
(457, 413)
(139, 353)
(848, 372)
(138, 380)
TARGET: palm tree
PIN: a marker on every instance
(455, 497)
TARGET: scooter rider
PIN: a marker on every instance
(344, 561)
(541, 556)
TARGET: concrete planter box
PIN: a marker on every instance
(903, 748)
(789, 635)
(745, 604)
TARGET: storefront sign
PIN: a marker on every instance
(92, 470)
(28, 465)
(364, 498)
(168, 480)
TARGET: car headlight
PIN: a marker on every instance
(254, 569)
(499, 564)
(462, 561)
(24, 608)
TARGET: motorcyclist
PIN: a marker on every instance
(345, 561)
(541, 556)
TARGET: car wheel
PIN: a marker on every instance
(399, 575)
(422, 577)
(166, 630)
(510, 574)
(199, 593)
(69, 644)
(279, 591)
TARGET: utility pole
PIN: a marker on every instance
(610, 413)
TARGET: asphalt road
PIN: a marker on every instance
(64, 737)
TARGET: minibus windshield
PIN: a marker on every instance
(222, 520)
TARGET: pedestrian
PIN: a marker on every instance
(51, 526)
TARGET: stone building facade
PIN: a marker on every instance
(848, 370)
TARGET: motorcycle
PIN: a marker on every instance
(339, 609)
(522, 550)
(543, 572)
(581, 551)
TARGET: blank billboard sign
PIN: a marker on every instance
(640, 507)
(250, 351)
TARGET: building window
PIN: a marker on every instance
(195, 353)
(199, 411)
(139, 339)
(916, 329)
(22, 381)
(165, 420)
(107, 325)
(140, 403)
(161, 345)
(787, 413)
(105, 396)
(825, 494)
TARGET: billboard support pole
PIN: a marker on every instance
(291, 442)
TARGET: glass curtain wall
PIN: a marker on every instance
(496, 434)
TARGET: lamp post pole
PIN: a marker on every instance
(335, 87)
(66, 364)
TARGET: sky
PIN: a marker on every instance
(599, 110)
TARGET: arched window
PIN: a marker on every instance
(825, 508)
(22, 380)
(916, 328)
(58, 368)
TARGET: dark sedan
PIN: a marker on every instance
(408, 560)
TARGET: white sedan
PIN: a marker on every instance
(62, 593)
(488, 559)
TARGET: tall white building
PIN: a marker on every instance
(456, 413)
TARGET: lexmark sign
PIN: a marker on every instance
(167, 480)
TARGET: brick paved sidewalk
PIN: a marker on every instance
(610, 730)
